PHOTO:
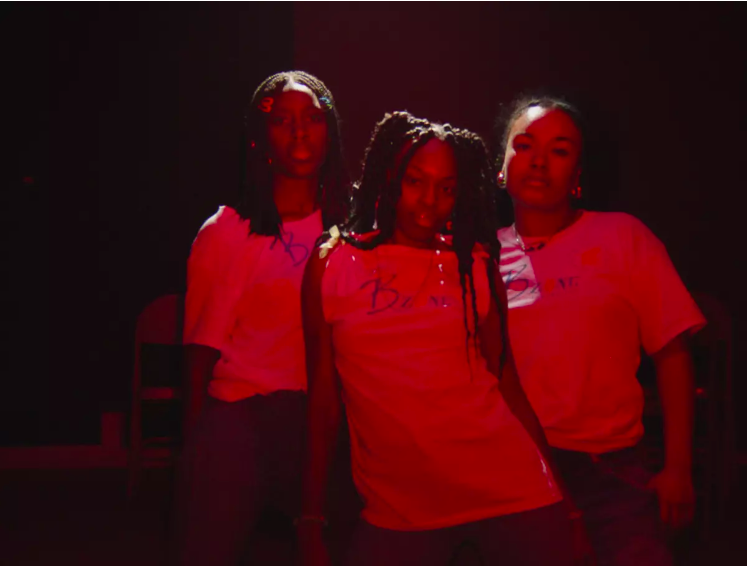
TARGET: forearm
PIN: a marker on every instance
(199, 364)
(676, 381)
(517, 402)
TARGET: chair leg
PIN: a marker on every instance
(135, 451)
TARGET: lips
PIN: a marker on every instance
(425, 219)
(536, 182)
(300, 153)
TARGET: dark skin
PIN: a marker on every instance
(541, 168)
(427, 201)
(298, 138)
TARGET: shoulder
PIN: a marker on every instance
(628, 229)
(329, 247)
(615, 221)
(223, 228)
(225, 222)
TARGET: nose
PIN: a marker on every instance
(428, 195)
(299, 130)
(538, 159)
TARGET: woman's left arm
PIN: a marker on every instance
(675, 377)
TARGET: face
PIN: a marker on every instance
(428, 193)
(542, 161)
(297, 133)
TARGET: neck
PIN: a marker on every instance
(401, 239)
(532, 223)
(294, 198)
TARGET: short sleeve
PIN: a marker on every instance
(217, 270)
(664, 306)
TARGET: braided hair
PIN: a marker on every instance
(256, 202)
(376, 194)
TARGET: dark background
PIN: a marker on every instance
(127, 118)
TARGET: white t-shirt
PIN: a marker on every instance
(244, 299)
(580, 308)
(433, 443)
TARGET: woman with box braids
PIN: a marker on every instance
(443, 452)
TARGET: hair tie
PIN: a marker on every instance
(326, 247)
(265, 105)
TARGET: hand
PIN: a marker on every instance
(313, 550)
(676, 496)
(583, 553)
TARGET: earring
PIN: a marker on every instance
(576, 193)
(501, 180)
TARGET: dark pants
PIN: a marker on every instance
(241, 458)
(620, 514)
(539, 537)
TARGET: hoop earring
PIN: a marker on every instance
(576, 193)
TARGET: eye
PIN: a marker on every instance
(521, 146)
(278, 120)
(448, 189)
(414, 181)
(318, 118)
(561, 151)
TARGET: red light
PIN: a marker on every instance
(28, 180)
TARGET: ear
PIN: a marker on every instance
(577, 178)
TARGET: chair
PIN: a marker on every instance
(714, 447)
(156, 379)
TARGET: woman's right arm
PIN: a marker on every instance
(324, 412)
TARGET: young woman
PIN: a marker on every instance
(586, 291)
(408, 328)
(245, 408)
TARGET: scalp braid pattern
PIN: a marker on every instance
(257, 203)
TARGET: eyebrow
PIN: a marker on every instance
(558, 138)
(423, 172)
(308, 110)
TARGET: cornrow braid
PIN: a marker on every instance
(256, 202)
(376, 194)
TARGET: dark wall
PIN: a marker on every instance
(129, 121)
(662, 86)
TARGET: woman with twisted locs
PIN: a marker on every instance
(407, 327)
(586, 290)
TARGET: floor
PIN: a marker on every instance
(82, 518)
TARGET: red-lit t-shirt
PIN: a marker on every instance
(243, 299)
(433, 442)
(580, 309)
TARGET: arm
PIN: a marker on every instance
(199, 362)
(675, 377)
(510, 385)
(324, 411)
(516, 399)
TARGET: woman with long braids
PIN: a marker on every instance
(586, 291)
(408, 328)
(245, 407)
